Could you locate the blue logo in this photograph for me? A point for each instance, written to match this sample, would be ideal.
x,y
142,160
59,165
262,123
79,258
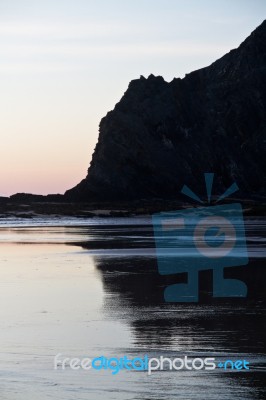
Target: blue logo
x,y
198,239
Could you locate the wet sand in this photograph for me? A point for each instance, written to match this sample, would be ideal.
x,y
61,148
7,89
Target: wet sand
x,y
88,289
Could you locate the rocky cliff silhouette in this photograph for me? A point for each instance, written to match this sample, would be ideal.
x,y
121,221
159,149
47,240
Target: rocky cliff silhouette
x,y
162,135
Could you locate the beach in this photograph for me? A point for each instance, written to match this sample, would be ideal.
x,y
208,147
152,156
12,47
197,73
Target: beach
x,y
88,287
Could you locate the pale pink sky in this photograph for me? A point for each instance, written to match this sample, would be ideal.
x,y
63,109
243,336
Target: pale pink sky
x,y
65,63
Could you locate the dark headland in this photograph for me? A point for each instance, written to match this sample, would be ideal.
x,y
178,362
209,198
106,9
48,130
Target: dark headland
x,y
162,135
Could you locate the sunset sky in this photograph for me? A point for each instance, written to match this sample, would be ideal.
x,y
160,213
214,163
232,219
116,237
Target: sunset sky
x,y
65,63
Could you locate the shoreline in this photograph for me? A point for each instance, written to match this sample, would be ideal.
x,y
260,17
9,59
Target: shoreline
x,y
35,209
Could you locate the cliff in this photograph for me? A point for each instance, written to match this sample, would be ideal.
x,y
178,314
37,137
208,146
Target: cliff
x,y
161,135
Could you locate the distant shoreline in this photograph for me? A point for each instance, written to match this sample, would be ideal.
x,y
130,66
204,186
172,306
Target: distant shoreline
x,y
29,209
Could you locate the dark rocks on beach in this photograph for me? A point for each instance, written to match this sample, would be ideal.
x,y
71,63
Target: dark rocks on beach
x,y
29,198
162,135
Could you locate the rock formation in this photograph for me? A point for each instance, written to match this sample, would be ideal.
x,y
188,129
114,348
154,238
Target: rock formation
x,y
162,135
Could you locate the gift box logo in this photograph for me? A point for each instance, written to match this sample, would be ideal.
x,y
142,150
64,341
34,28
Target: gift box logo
x,y
202,238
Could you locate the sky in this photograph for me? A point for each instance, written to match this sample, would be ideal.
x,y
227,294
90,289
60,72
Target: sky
x,y
65,63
